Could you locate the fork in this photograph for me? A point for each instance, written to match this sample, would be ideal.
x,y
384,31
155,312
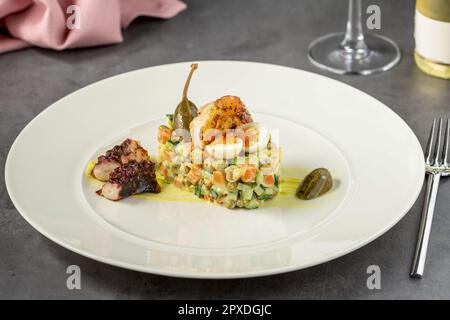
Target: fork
x,y
436,166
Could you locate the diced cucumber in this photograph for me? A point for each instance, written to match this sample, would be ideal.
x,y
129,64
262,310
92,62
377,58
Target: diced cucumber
x,y
218,190
213,194
232,196
247,194
275,190
259,190
198,190
259,178
265,197
252,204
269,191
242,186
204,189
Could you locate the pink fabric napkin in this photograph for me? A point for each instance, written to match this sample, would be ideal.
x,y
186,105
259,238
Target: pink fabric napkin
x,y
44,23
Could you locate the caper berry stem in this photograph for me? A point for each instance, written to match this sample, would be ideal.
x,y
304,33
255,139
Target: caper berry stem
x,y
188,80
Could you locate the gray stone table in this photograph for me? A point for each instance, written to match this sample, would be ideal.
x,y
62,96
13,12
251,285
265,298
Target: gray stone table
x,y
268,31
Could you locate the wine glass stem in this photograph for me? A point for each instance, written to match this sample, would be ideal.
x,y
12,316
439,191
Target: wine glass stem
x,y
353,45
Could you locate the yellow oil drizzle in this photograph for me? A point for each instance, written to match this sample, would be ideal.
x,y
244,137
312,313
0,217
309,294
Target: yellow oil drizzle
x,y
89,167
169,193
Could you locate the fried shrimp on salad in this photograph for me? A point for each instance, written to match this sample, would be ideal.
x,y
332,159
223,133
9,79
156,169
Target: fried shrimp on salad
x,y
228,112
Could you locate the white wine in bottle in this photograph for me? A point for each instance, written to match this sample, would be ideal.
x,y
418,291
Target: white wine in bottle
x,y
432,34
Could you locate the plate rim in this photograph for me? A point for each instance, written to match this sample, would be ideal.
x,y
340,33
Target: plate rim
x,y
196,275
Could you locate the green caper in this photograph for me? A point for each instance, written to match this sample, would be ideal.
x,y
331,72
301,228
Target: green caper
x,y
186,110
315,184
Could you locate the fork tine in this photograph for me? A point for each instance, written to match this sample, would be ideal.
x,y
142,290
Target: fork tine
x,y
446,142
437,151
430,144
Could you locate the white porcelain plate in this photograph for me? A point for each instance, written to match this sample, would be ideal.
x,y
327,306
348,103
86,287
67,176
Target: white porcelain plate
x,y
374,157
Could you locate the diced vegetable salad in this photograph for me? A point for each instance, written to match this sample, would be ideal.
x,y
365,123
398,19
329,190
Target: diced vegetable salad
x,y
243,182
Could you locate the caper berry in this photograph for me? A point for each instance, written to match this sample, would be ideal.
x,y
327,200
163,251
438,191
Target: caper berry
x,y
186,110
315,184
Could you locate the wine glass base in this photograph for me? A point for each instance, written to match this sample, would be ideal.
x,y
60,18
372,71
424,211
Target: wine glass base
x,y
327,53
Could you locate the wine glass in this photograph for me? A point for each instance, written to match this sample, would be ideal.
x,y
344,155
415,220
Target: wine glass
x,y
353,52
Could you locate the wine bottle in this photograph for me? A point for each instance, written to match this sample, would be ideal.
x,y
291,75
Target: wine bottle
x,y
432,35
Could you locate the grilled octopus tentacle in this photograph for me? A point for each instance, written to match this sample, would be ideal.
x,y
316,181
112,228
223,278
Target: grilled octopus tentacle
x,y
127,151
129,179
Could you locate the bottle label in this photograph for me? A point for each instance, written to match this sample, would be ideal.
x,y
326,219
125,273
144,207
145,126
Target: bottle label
x,y
432,38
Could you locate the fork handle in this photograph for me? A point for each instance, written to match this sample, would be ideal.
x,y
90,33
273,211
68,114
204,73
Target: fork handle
x,y
423,237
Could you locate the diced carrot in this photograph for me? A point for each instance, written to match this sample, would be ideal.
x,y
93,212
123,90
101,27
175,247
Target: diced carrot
x,y
218,177
197,170
249,174
164,171
268,180
178,182
164,134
